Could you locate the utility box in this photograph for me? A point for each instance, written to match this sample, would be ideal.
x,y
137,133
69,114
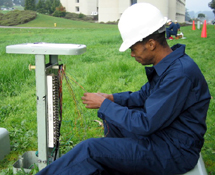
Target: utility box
x,y
4,143
49,102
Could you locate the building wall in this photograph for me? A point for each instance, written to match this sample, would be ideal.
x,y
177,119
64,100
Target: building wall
x,y
111,10
173,9
180,10
177,10
65,4
123,4
69,5
108,10
86,7
162,5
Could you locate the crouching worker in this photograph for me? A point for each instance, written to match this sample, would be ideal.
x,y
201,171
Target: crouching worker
x,y
171,30
158,130
177,25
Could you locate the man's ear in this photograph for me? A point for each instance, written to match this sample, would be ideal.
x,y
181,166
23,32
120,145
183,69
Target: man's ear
x,y
152,44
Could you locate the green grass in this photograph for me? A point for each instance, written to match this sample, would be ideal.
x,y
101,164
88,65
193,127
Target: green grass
x,y
48,21
101,69
4,11
18,7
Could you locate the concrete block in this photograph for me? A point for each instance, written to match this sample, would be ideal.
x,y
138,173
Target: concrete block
x,y
199,168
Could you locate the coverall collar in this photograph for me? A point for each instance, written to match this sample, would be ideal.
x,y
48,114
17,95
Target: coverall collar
x,y
178,51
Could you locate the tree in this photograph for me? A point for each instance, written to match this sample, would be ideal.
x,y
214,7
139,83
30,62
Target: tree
x,y
60,11
201,15
30,5
48,5
55,3
8,3
41,7
212,5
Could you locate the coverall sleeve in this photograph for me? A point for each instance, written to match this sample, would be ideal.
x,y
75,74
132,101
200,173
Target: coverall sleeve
x,y
171,26
160,109
132,99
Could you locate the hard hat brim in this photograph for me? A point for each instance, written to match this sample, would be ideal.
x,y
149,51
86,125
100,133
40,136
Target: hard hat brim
x,y
126,45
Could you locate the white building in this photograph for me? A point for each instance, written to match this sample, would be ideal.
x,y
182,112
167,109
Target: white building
x,y
87,7
111,10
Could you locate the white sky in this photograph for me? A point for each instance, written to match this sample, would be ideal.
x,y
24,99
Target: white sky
x,y
198,5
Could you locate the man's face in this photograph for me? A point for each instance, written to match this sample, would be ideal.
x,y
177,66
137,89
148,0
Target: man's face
x,y
142,53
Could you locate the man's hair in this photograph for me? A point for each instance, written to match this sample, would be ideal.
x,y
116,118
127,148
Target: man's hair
x,y
159,37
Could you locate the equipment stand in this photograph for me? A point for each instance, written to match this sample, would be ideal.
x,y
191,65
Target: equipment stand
x,y
44,118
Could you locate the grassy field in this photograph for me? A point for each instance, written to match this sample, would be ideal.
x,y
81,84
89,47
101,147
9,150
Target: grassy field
x,y
4,12
48,21
101,69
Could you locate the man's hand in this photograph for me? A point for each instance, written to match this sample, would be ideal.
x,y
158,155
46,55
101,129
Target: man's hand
x,y
93,100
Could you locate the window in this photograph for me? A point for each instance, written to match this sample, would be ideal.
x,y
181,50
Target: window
x,y
77,9
133,2
77,1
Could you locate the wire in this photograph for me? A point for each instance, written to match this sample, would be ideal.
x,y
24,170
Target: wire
x,y
82,122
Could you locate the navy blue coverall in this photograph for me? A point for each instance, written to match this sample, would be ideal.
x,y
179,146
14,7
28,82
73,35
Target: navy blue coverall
x,y
172,30
178,26
157,130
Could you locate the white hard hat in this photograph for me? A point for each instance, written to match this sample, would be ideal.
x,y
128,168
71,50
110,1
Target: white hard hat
x,y
139,21
169,20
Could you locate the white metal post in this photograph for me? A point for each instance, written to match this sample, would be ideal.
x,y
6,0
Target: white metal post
x,y
41,110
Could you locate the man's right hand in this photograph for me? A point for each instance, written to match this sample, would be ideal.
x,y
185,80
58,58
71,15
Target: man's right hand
x,y
108,96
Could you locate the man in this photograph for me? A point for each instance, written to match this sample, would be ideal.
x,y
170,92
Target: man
x,y
177,25
157,130
172,30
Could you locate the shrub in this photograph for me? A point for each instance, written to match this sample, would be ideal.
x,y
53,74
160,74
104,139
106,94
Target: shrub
x,y
58,13
17,17
71,15
1,15
111,22
80,16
